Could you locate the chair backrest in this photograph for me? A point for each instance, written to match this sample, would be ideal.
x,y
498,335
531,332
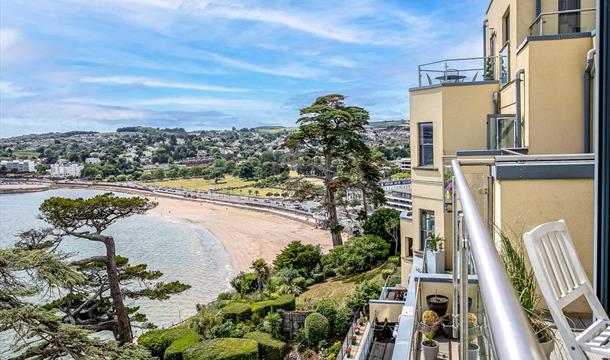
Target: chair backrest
x,y
560,274
429,80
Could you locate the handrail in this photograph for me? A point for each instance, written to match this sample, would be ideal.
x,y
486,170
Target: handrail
x,y
559,12
459,59
511,332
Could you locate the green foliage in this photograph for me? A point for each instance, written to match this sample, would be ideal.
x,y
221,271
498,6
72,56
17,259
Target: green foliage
x,y
302,258
522,277
401,175
359,298
333,350
245,283
377,223
223,349
176,350
157,341
284,302
329,309
394,260
237,311
358,254
316,328
272,324
205,321
268,347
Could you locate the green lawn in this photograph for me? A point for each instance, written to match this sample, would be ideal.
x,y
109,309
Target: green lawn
x,y
262,192
202,184
338,288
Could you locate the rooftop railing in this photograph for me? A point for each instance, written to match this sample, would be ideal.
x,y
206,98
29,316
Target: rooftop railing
x,y
456,71
563,22
503,331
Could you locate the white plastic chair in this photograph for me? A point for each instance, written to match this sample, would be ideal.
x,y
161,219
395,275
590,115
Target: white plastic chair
x,y
562,280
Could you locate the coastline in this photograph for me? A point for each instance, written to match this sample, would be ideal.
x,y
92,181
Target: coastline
x,y
247,234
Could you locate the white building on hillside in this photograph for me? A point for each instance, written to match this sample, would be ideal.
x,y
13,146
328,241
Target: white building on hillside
x,y
20,166
93,160
63,170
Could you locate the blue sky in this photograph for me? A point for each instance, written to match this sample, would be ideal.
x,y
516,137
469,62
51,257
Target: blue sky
x,y
98,65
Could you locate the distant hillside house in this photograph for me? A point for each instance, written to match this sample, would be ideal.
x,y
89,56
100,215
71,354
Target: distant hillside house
x,y
17,166
63,170
93,160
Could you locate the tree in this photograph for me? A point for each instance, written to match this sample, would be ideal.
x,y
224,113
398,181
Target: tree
x,y
299,257
87,219
33,267
385,223
363,173
262,271
332,131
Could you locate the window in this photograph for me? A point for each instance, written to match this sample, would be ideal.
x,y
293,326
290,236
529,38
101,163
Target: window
x,y
426,227
569,22
426,145
506,27
501,132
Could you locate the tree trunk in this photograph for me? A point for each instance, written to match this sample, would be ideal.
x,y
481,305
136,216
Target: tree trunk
x,y
331,206
123,324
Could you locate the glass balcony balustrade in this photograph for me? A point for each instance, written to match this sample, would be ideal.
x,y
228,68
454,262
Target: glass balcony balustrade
x,y
564,22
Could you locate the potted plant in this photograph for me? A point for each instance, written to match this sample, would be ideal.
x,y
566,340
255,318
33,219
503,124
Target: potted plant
x,y
435,255
357,330
354,338
524,283
429,346
473,348
438,303
348,351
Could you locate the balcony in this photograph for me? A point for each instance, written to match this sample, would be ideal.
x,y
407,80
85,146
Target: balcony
x,y
564,22
458,71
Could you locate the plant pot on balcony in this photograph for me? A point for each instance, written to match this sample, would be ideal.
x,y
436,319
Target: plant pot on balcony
x,y
473,351
435,261
429,349
438,303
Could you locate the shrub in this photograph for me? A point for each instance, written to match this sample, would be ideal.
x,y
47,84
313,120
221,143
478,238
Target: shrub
x,y
386,273
302,258
316,328
237,311
223,349
176,349
359,298
158,340
300,282
284,302
244,283
268,347
343,321
358,254
328,308
333,350
318,277
377,223
272,324
394,260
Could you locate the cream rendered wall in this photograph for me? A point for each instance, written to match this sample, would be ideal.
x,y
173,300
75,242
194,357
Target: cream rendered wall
x,y
553,106
521,205
382,311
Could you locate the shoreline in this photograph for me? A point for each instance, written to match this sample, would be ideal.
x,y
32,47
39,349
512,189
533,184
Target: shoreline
x,y
246,233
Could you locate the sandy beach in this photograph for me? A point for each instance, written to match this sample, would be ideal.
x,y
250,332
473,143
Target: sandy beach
x,y
246,234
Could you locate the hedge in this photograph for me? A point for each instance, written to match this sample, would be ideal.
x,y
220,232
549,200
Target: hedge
x,y
316,328
223,349
237,311
268,347
176,350
158,340
284,302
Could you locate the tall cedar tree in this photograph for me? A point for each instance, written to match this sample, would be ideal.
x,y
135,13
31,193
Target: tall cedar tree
x,y
88,219
334,132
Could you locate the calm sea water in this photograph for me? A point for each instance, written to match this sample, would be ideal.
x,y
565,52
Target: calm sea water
x,y
181,250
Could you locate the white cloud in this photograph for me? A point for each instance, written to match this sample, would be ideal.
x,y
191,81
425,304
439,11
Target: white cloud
x,y
292,70
208,103
341,62
156,83
8,38
10,90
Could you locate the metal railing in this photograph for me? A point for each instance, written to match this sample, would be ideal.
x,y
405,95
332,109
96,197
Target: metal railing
x,y
463,70
506,328
563,22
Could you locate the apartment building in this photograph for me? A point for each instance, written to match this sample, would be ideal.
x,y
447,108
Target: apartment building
x,y
62,169
18,166
499,145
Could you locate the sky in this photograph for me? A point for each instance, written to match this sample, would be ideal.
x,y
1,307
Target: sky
x,y
204,64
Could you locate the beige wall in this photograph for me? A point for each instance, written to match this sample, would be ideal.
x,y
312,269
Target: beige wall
x,y
385,310
521,205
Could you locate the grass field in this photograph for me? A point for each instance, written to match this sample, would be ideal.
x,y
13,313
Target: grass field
x,y
262,192
338,288
313,180
202,184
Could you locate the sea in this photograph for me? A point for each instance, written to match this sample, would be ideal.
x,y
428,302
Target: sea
x,y
181,250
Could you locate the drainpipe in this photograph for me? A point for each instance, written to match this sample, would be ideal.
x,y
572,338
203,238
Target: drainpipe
x,y
518,74
494,100
484,43
587,101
